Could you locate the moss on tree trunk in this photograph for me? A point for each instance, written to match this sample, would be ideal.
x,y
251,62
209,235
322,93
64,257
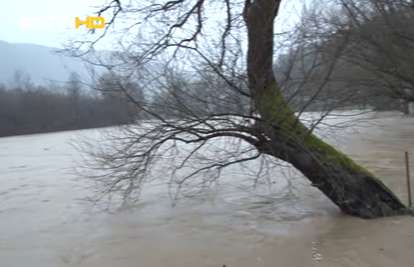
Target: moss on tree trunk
x,y
354,189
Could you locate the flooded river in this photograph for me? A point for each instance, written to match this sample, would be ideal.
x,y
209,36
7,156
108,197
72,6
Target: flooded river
x,y
47,221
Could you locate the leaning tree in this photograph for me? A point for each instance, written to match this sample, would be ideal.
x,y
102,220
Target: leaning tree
x,y
222,46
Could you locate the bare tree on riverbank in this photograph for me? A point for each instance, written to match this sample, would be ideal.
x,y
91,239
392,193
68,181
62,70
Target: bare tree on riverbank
x,y
377,47
27,108
187,31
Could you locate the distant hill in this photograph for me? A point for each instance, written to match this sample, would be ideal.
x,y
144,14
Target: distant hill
x,y
43,64
40,62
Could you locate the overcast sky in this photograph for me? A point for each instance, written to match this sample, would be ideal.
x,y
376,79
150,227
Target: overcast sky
x,y
12,27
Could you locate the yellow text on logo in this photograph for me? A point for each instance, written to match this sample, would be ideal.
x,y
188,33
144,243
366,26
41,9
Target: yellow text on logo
x,y
91,22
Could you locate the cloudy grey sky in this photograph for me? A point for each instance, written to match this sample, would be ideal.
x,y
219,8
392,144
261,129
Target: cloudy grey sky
x,y
12,28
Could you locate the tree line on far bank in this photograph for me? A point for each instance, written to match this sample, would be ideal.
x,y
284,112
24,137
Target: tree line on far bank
x,y
26,108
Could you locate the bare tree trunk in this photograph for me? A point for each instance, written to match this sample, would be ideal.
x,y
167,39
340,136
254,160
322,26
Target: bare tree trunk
x,y
351,187
405,106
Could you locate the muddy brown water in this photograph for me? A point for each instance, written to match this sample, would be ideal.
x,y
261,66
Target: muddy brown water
x,y
45,220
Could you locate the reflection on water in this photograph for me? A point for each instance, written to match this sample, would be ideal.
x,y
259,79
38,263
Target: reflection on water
x,y
46,221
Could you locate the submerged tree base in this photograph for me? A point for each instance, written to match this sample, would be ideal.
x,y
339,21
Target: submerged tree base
x,y
352,188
